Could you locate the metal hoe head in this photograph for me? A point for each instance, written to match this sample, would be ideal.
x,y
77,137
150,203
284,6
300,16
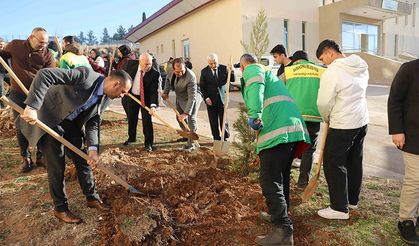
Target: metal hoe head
x,y
135,191
188,135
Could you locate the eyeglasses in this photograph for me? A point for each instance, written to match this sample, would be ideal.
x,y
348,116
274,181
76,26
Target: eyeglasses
x,y
43,43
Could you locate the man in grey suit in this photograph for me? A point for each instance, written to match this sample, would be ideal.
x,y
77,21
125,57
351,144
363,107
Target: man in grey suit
x,y
188,97
69,101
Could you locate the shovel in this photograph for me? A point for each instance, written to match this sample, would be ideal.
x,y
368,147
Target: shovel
x,y
75,149
314,181
220,147
188,135
60,49
182,121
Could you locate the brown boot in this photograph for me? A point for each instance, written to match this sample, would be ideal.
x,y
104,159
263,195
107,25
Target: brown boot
x,y
68,217
98,204
26,165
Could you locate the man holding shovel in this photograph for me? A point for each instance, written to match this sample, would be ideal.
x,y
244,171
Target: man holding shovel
x,y
145,88
213,86
282,135
69,101
27,57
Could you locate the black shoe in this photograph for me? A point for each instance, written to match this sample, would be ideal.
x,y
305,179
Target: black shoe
x,y
278,236
149,148
26,165
129,142
181,140
407,232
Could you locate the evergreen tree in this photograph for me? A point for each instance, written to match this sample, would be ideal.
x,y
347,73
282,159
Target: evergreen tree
x,y
246,160
105,36
259,37
82,38
91,39
144,16
120,33
130,28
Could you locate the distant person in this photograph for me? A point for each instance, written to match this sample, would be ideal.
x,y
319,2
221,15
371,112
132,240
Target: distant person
x,y
342,104
68,40
276,118
302,80
96,61
124,54
280,56
213,87
188,63
76,119
188,97
403,122
144,88
73,57
3,73
53,48
27,58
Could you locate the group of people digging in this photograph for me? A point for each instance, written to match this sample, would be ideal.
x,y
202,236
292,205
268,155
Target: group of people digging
x,y
286,112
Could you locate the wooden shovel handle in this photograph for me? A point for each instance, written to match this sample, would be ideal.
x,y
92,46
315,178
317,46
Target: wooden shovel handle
x,y
320,161
57,41
226,100
148,109
177,114
111,61
15,78
66,143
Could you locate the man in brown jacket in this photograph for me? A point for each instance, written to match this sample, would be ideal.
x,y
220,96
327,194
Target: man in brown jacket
x,y
27,58
403,123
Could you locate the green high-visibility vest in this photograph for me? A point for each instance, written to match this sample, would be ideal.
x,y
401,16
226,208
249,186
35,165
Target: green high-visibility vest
x,y
267,98
303,82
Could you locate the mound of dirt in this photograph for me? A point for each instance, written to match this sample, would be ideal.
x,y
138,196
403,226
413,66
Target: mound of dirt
x,y
196,203
7,123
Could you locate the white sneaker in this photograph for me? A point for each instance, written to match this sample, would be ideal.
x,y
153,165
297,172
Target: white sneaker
x,y
296,162
352,207
329,213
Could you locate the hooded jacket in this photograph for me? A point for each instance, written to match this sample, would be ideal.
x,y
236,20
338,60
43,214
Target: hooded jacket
x,y
342,94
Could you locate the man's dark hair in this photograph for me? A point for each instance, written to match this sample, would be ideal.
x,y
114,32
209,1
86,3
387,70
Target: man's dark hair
x,y
325,44
248,58
70,39
279,49
122,76
178,61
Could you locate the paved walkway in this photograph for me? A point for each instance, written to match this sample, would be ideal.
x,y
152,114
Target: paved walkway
x,y
381,158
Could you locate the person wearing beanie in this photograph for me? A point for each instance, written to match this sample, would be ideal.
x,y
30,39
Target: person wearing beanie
x,y
302,80
124,54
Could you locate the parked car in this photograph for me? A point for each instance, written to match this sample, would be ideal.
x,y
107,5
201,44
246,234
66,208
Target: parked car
x,y
267,61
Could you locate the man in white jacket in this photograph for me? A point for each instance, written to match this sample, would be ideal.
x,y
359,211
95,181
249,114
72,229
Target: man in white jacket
x,y
342,104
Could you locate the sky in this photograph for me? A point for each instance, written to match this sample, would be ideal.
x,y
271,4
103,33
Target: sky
x,y
62,18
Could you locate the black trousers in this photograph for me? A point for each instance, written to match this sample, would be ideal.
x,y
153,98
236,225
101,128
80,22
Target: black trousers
x,y
132,108
307,158
275,167
342,161
19,98
54,153
215,115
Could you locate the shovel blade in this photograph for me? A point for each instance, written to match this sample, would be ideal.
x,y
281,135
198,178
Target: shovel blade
x,y
220,148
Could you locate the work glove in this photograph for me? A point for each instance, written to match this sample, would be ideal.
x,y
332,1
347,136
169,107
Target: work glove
x,y
255,124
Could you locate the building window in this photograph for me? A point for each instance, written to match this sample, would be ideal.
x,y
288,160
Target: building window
x,y
413,14
157,50
161,48
406,20
173,48
303,35
286,34
397,19
351,37
186,48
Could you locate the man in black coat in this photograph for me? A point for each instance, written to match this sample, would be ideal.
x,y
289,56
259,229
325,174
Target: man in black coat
x,y
403,122
146,77
68,101
213,87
